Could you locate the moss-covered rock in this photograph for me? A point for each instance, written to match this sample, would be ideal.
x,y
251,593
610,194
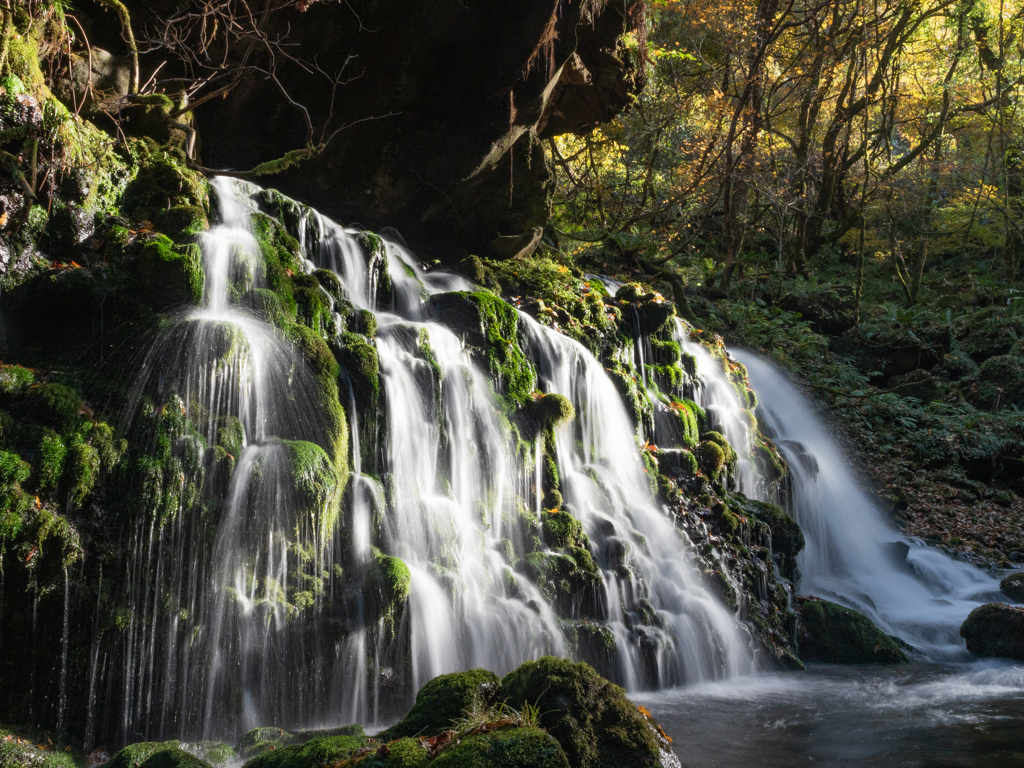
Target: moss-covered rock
x,y
14,379
258,740
786,536
170,275
711,458
361,365
135,755
314,753
490,326
560,530
549,411
1013,586
444,699
834,634
28,754
596,725
568,577
55,405
174,757
995,630
400,753
386,587
508,748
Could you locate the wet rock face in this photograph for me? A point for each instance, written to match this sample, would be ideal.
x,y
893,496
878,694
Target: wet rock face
x,y
456,99
995,630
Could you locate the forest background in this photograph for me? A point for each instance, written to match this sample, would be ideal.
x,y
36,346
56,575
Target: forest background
x,y
839,184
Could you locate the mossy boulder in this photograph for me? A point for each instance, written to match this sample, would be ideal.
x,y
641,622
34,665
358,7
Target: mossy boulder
x,y
549,411
596,725
55,405
258,740
711,458
401,753
560,530
444,699
1013,586
135,755
507,748
995,630
490,327
170,275
833,634
315,753
174,757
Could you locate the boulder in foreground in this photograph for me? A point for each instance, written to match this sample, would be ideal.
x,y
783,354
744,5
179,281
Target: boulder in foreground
x,y
995,630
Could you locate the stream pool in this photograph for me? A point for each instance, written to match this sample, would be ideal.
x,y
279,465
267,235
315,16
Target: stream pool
x,y
920,714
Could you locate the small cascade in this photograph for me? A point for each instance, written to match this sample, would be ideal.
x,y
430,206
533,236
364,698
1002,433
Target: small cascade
x,y
643,558
717,394
852,555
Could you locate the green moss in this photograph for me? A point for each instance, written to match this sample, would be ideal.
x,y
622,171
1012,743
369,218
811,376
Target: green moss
x,y
711,458
259,740
315,753
550,410
566,578
560,529
14,379
28,755
334,426
834,634
386,587
315,483
135,755
182,222
787,538
216,753
508,748
273,308
444,699
491,329
174,758
50,462
231,436
596,725
84,468
312,305
360,362
170,275
402,753
55,406
719,439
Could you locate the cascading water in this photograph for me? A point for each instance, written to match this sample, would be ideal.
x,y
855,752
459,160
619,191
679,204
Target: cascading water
x,y
852,555
259,593
717,395
643,560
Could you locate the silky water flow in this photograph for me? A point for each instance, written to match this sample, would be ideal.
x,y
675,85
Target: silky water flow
x,y
247,606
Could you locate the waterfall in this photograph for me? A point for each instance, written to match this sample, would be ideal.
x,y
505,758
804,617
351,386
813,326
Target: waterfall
x,y
641,553
853,556
250,593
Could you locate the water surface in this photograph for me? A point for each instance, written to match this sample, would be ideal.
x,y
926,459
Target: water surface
x,y
914,715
